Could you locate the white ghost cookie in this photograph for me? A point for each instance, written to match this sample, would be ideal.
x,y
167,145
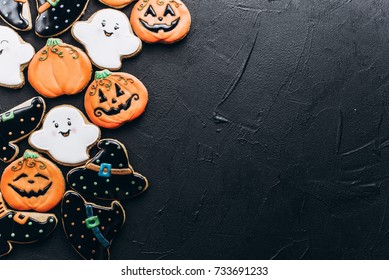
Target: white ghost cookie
x,y
15,54
107,37
66,136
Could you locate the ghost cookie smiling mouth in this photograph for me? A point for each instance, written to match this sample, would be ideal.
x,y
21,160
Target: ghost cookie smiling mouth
x,y
65,134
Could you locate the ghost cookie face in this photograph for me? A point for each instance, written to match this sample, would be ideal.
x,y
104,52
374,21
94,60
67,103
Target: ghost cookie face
x,y
57,16
113,99
15,54
107,37
32,183
59,69
16,14
108,175
22,227
17,123
90,228
160,21
66,136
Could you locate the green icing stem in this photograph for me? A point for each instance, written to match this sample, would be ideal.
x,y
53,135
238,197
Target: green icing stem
x,y
102,74
53,42
28,154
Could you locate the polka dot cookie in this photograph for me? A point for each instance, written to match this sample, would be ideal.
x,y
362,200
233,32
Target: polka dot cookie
x,y
90,228
17,124
108,175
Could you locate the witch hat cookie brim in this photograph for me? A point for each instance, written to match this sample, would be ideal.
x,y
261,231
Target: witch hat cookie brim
x,y
22,227
90,228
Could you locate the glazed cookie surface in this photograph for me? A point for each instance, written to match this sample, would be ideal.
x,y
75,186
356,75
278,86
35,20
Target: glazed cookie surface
x,y
113,99
117,4
66,136
57,16
108,175
108,38
22,227
15,54
90,228
17,124
160,21
59,69
16,14
32,183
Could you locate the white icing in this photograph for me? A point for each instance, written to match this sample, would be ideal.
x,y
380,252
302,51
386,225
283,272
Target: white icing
x,y
73,147
106,51
13,54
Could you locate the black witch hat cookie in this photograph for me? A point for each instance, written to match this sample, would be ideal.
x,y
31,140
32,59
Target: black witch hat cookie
x,y
108,175
17,124
16,13
57,16
91,228
22,227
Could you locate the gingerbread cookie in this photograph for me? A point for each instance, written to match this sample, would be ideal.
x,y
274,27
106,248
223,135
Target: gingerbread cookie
x,y
107,37
160,21
17,124
108,175
15,54
113,99
32,183
66,136
117,4
59,69
16,13
91,228
57,16
22,227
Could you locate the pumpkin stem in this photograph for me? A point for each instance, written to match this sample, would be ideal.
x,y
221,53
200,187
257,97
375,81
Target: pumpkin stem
x,y
53,42
30,154
102,74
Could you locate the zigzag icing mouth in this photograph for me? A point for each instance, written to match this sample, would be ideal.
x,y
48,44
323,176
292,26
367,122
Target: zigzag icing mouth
x,y
162,26
31,193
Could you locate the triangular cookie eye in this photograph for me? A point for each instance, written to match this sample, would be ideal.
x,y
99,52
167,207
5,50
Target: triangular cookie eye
x,y
119,91
169,10
102,97
150,11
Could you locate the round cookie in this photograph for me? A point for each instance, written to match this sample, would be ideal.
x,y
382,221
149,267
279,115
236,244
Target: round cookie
x,y
15,54
32,183
90,228
160,21
108,175
113,99
66,136
59,69
108,38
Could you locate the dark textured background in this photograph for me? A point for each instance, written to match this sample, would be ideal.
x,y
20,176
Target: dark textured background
x,y
266,135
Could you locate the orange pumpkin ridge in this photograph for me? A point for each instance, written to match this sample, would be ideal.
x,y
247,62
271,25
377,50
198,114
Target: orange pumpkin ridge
x,y
59,69
113,99
160,21
32,183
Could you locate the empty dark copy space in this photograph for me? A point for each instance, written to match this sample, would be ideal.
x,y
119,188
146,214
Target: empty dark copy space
x,y
266,135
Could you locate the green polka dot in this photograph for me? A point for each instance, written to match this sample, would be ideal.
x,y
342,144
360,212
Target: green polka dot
x,y
118,148
84,187
112,155
12,234
106,192
98,161
117,189
95,194
10,216
107,180
51,220
120,165
81,177
40,231
74,184
27,236
30,223
140,188
95,183
127,193
133,182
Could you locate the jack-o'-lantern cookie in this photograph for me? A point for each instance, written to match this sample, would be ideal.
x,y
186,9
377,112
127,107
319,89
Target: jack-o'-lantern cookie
x,y
160,21
113,99
108,175
66,136
16,14
32,183
15,54
117,4
17,124
22,227
108,38
59,69
90,228
57,16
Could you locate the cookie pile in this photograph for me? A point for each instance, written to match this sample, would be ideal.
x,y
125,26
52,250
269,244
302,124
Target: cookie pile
x,y
32,185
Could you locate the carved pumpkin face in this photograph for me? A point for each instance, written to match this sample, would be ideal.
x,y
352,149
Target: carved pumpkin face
x,y
32,183
165,21
115,98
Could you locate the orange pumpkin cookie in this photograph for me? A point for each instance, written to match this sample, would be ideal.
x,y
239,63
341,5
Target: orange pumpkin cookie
x,y
160,21
117,4
113,99
59,69
32,183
